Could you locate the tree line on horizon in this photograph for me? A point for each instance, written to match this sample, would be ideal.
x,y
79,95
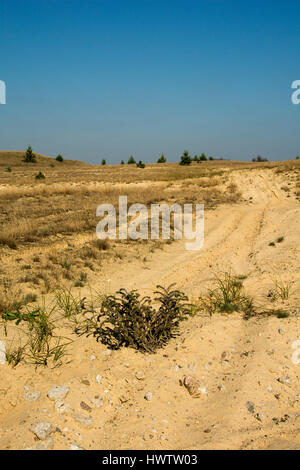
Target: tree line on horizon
x,y
185,159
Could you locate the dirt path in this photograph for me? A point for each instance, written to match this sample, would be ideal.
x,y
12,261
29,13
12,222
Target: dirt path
x,y
239,362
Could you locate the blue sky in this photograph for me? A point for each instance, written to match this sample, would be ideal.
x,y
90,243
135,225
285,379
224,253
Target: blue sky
x,y
100,79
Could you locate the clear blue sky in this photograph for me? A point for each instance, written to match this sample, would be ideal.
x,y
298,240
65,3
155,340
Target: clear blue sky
x,y
96,79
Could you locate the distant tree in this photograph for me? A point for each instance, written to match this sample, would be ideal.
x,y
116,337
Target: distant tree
x,y
40,176
185,158
211,158
131,160
122,162
259,159
196,158
59,158
29,156
203,157
103,162
297,158
162,159
140,164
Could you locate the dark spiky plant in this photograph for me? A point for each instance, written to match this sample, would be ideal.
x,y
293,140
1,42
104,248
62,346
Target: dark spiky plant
x,y
126,319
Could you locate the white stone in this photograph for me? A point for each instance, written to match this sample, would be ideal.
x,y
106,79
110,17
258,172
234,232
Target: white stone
x,y
32,396
61,407
148,396
2,353
75,447
59,392
86,421
42,430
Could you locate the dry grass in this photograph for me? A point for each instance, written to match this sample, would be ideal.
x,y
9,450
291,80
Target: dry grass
x,y
56,220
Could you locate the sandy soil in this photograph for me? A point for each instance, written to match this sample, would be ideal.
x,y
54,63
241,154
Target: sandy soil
x,y
237,361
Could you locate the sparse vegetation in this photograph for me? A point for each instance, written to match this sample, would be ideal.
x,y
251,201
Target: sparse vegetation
x,y
281,290
40,176
228,296
59,158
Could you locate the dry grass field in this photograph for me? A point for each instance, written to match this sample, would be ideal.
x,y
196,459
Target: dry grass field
x,y
55,273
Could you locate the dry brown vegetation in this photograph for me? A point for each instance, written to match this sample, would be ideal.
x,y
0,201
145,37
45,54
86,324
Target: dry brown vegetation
x,y
47,234
48,229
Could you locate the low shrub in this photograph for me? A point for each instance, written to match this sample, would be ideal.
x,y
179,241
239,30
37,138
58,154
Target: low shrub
x,y
128,320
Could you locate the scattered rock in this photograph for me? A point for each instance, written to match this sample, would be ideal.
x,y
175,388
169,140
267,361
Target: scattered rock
x,y
108,352
59,392
61,407
193,386
284,380
86,382
32,396
75,447
86,421
42,430
2,353
98,378
97,402
123,399
140,375
47,444
85,406
148,396
250,406
281,331
259,417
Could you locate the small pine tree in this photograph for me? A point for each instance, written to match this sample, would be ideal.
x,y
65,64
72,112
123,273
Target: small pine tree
x,y
103,162
203,157
196,158
131,160
185,158
122,162
29,156
162,159
211,158
59,158
140,164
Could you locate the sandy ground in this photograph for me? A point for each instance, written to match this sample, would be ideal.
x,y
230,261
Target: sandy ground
x,y
238,362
